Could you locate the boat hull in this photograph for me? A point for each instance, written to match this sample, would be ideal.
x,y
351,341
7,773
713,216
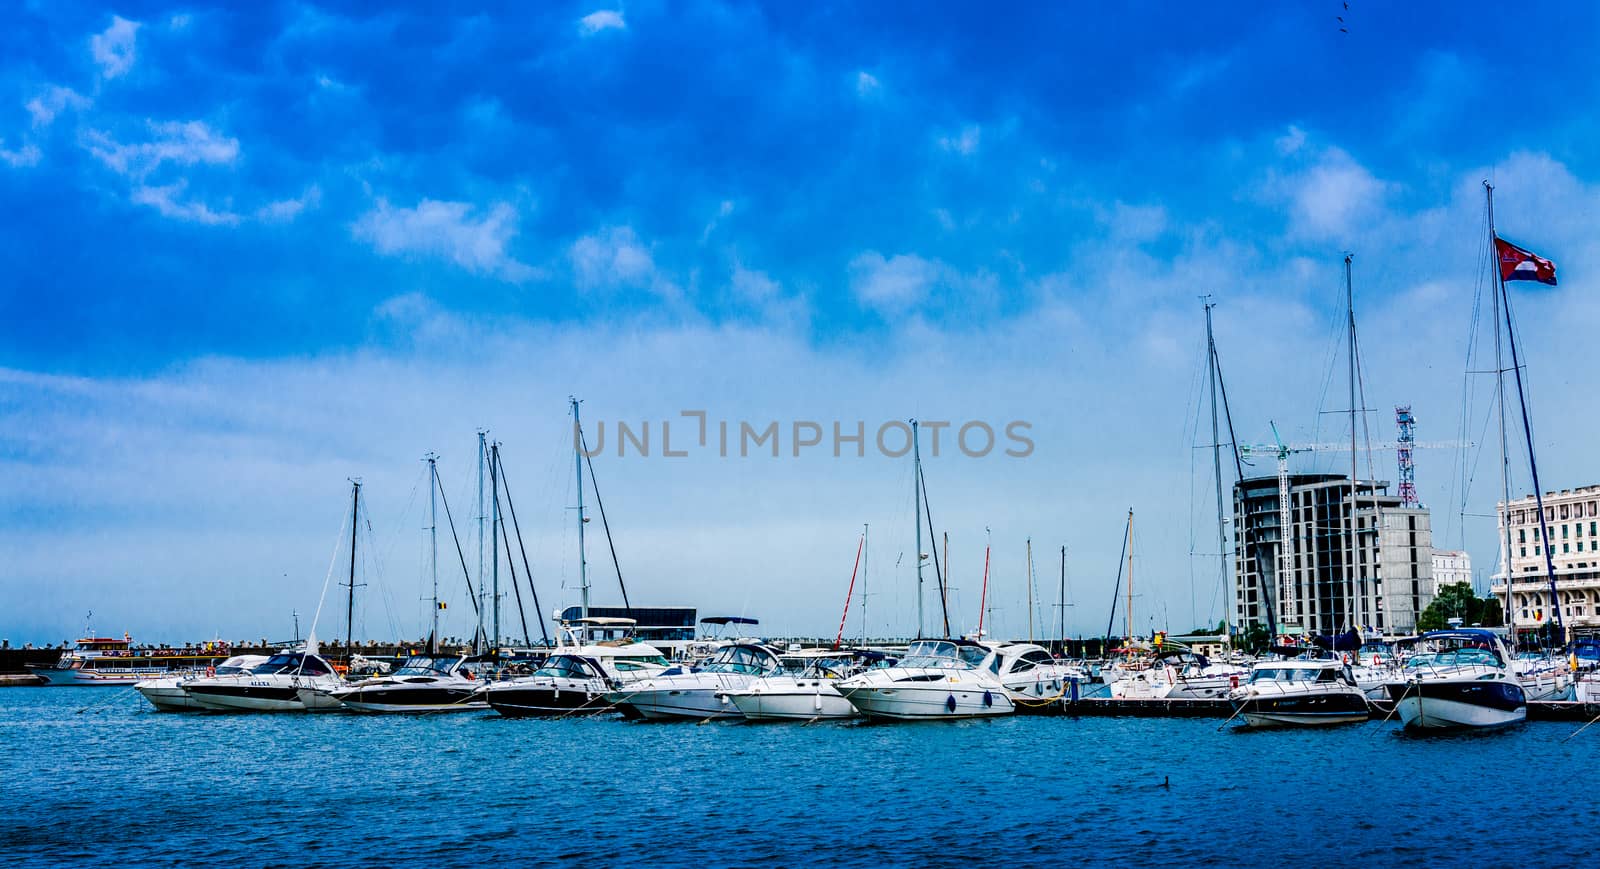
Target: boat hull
x,y
82,678
795,704
1458,705
541,701
927,701
167,695
1306,711
399,700
680,704
244,697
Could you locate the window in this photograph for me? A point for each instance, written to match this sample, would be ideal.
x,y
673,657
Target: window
x,y
1563,511
1564,531
1566,548
1522,535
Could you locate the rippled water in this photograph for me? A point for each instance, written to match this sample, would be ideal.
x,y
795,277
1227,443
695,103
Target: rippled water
x,y
121,784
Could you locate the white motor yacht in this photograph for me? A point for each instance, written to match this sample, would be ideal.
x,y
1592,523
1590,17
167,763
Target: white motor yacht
x,y
1462,680
808,695
274,686
701,693
427,682
937,679
1543,677
1300,692
1031,675
167,695
1192,676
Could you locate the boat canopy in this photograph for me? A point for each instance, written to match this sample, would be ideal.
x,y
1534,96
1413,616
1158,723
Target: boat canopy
x,y
729,620
1349,641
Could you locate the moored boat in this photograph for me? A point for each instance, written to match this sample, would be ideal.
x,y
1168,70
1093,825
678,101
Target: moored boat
x,y
1464,682
167,695
1300,692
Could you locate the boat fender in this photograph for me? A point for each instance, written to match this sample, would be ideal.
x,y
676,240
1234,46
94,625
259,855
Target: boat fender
x,y
950,703
988,699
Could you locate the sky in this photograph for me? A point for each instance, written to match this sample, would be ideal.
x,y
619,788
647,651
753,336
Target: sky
x,y
253,251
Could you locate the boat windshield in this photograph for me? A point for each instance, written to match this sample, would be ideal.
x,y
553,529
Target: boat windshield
x,y
293,664
425,665
943,653
566,667
740,659
1284,674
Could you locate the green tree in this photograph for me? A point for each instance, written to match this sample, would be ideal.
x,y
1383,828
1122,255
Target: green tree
x,y
1457,601
1255,639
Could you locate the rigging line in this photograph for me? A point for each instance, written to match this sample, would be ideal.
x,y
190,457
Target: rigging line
x,y
594,483
511,565
472,595
338,547
944,604
538,610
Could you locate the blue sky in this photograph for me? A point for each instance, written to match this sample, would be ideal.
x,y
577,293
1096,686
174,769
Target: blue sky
x,y
253,250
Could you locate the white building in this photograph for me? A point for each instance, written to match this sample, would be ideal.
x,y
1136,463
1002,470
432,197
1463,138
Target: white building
x,y
1450,567
1573,517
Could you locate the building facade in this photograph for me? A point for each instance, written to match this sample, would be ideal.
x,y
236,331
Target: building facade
x,y
1312,577
1450,567
1573,517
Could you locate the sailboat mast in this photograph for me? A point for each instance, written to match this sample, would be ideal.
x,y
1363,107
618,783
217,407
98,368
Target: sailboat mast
x,y
1557,631
583,558
494,538
1128,615
350,598
916,507
1350,310
433,544
1030,589
1063,603
483,458
1495,288
1216,468
865,554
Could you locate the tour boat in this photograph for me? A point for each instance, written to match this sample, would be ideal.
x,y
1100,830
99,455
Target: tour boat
x,y
701,693
274,686
1300,692
109,661
937,679
1464,681
167,695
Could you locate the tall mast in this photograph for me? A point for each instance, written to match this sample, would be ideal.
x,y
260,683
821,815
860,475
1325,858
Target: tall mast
x,y
1216,466
483,587
350,599
1350,309
1496,287
583,559
1030,589
1128,615
1063,603
433,544
494,538
866,551
916,507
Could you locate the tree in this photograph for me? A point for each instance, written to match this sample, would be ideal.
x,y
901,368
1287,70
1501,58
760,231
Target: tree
x,y
1255,639
1458,602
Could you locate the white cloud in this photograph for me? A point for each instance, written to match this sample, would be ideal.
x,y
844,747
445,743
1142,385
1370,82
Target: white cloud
x,y
51,102
168,201
114,48
867,84
1291,141
20,158
965,142
603,19
613,258
180,21
457,231
895,284
1331,197
185,143
286,210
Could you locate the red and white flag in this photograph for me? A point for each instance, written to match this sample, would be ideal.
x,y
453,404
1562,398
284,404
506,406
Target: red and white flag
x,y
1517,264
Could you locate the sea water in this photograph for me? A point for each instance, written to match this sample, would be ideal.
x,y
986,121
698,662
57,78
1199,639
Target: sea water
x,y
97,776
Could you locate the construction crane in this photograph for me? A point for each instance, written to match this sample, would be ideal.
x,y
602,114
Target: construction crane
x,y
1285,539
